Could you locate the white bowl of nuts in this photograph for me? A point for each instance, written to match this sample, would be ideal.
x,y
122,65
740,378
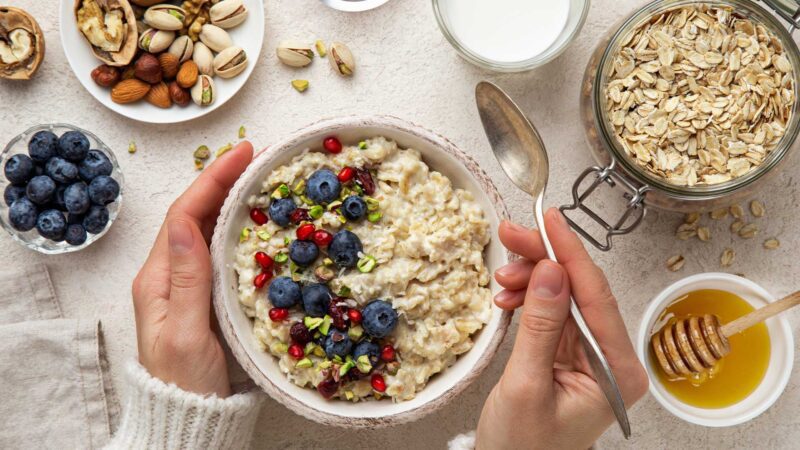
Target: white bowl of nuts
x,y
162,63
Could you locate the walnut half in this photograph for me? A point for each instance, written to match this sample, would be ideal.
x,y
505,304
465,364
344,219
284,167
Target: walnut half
x,y
21,44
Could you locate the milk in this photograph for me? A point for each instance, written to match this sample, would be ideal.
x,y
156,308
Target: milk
x,y
506,31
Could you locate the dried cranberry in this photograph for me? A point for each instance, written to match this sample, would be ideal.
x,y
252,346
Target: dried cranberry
x,y
364,179
378,383
305,231
278,314
296,351
322,238
332,144
328,387
258,216
346,174
299,215
338,313
300,333
355,316
264,261
387,353
261,279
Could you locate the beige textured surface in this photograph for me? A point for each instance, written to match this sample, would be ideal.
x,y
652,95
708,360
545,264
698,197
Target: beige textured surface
x,y
407,69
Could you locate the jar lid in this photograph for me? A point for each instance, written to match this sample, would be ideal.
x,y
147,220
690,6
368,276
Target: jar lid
x,y
787,9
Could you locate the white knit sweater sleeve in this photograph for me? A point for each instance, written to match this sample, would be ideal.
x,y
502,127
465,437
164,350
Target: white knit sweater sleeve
x,y
157,415
464,441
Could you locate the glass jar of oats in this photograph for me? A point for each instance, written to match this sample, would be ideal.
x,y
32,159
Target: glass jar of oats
x,y
689,106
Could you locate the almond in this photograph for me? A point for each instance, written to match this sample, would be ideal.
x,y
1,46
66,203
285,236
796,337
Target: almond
x,y
169,65
187,75
159,95
129,91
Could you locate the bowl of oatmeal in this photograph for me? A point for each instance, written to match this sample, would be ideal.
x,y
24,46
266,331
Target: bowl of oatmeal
x,y
352,271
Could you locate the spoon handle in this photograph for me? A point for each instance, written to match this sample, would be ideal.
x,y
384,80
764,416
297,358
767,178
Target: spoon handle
x,y
597,360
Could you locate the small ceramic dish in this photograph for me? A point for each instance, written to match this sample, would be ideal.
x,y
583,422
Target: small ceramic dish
x,y
32,239
354,5
237,328
249,35
780,362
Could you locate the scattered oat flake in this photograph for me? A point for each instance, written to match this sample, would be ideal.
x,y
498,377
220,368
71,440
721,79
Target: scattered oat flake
x,y
727,257
720,213
772,244
736,226
737,211
757,209
748,231
676,263
704,234
692,217
132,147
686,231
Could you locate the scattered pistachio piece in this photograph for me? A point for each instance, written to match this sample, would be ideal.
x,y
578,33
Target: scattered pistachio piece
x,y
132,147
362,145
346,368
281,191
304,363
727,257
355,332
316,211
299,188
202,152
199,164
375,216
676,263
772,244
319,351
312,322
334,205
366,264
363,364
324,364
281,258
306,200
326,325
242,132
321,50
224,149
372,204
244,235
309,348
263,235
300,85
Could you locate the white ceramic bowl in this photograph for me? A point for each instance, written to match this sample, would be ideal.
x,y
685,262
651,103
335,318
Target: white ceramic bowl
x,y
780,362
439,154
249,35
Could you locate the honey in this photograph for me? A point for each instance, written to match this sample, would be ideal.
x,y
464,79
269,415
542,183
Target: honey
x,y
738,374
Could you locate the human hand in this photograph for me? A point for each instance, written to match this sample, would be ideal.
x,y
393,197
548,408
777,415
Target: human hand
x,y
547,396
172,293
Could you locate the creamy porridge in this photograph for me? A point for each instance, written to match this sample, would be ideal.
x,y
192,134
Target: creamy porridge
x,y
363,270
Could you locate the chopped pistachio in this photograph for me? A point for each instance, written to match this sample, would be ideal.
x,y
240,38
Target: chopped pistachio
x,y
279,347
348,358
317,335
224,149
281,191
309,348
326,325
263,235
312,322
346,368
355,332
366,264
375,216
306,200
341,218
349,395
244,235
334,205
363,364
362,145
345,193
324,273
321,50
324,364
198,164
241,132
358,189
287,240
327,262
299,188
304,363
281,258
300,85
392,367
372,204
337,359
316,211
132,147
319,351
344,291
202,152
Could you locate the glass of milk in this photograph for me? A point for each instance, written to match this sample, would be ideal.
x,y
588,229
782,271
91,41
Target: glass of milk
x,y
510,35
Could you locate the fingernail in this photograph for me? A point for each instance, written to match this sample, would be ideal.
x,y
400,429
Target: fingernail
x,y
513,226
508,269
503,296
548,280
181,238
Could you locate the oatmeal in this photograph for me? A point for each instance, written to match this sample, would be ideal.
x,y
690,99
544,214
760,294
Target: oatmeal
x,y
363,270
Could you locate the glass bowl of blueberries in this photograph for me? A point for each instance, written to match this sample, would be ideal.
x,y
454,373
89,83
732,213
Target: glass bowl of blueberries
x,y
62,188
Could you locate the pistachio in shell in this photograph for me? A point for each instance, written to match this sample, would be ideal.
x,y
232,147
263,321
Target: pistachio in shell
x,y
228,13
21,44
215,38
165,17
295,53
182,48
203,58
230,62
341,59
109,26
156,41
204,92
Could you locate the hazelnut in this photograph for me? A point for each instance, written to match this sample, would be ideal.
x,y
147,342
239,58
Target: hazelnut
x,y
105,75
128,72
179,95
148,69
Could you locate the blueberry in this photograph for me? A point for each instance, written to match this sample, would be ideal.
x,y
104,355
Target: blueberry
x,y
354,207
379,318
284,292
337,343
22,214
76,234
280,211
344,249
95,164
323,186
43,146
370,349
315,299
58,199
73,219
96,219
303,253
13,193
38,169
40,189
76,198
103,190
73,146
61,170
19,169
52,224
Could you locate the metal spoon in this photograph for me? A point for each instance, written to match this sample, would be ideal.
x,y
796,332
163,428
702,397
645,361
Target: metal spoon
x,y
521,153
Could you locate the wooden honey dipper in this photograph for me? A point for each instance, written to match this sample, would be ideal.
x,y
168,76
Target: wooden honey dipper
x,y
692,346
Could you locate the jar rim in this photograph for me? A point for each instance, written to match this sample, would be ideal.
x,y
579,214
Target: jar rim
x,y
747,8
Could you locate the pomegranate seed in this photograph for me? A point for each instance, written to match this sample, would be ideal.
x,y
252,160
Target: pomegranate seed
x,y
322,238
305,231
299,215
332,144
261,279
300,333
296,351
328,387
258,216
355,316
387,353
346,174
378,383
278,314
264,261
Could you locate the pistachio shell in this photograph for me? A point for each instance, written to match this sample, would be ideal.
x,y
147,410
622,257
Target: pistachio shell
x,y
341,59
215,38
182,48
165,17
204,92
295,54
228,13
230,62
156,41
204,59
